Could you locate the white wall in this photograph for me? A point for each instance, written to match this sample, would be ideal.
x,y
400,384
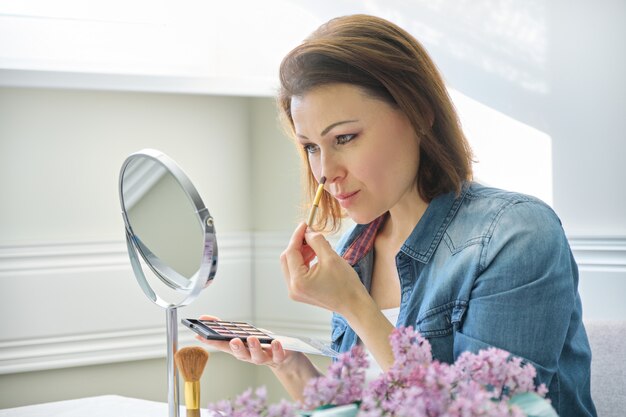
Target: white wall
x,y
554,71
63,265
551,69
68,296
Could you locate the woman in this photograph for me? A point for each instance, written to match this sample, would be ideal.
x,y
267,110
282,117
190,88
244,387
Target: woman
x,y
468,266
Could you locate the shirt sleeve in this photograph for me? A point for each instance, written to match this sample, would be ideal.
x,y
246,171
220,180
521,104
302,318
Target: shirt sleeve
x,y
525,293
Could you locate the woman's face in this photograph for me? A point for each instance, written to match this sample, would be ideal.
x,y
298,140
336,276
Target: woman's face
x,y
366,149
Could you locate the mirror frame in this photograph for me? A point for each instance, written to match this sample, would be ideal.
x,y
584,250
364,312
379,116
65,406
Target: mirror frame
x,y
191,286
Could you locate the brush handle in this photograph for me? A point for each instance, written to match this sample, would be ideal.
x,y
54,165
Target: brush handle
x,y
192,398
316,202
192,395
193,412
309,221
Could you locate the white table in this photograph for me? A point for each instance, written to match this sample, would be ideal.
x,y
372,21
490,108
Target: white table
x,y
103,406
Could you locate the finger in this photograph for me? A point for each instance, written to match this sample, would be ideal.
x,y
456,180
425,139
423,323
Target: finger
x,y
293,250
297,238
278,353
308,254
257,353
285,268
217,344
238,350
319,244
294,260
207,317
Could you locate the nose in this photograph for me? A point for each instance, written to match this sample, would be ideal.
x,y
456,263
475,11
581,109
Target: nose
x,y
331,167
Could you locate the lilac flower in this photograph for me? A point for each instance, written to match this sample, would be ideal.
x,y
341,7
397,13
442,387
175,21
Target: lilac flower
x,y
409,346
342,384
249,404
417,386
253,405
476,385
283,409
502,373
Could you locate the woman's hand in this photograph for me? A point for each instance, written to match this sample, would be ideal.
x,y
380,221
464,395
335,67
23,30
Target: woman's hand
x,y
293,369
333,284
330,283
251,351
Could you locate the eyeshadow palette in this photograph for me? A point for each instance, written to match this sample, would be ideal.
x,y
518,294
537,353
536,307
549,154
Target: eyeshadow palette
x,y
226,330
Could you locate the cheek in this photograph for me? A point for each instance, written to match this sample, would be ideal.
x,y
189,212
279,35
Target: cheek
x,y
372,169
379,161
391,165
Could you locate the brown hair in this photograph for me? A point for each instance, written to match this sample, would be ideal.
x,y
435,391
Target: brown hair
x,y
389,64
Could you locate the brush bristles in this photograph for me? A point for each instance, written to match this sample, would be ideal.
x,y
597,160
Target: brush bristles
x,y
191,362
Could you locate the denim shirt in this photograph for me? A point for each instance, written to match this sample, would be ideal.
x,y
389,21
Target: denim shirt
x,y
491,268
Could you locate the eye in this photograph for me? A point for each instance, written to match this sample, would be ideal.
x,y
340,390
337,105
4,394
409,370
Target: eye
x,y
343,139
310,148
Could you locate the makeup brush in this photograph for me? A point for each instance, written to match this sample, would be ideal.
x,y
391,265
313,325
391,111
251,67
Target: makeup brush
x,y
190,362
316,201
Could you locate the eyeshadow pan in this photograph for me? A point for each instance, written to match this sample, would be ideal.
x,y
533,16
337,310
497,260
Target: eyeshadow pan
x,y
227,330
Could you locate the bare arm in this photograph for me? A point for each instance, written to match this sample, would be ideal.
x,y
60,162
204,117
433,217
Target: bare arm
x,y
296,375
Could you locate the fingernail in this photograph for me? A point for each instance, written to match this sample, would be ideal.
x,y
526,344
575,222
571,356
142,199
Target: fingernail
x,y
234,346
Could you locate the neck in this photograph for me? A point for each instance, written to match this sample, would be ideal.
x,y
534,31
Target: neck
x,y
403,217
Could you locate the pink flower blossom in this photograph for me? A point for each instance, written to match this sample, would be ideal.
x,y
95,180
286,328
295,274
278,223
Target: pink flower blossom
x,y
503,374
476,385
342,384
249,404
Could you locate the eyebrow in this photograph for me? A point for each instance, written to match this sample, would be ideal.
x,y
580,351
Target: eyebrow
x,y
331,126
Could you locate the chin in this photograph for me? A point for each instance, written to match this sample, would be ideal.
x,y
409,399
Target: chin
x,y
363,218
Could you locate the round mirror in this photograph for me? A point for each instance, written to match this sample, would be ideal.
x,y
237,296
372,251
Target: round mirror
x,y
168,226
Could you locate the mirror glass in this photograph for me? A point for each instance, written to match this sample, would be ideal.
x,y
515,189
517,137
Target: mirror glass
x,y
167,223
162,217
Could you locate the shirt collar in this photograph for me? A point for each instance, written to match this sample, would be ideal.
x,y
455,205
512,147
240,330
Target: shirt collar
x,y
429,231
363,242
424,238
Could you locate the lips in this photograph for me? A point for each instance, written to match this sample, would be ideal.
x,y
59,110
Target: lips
x,y
346,198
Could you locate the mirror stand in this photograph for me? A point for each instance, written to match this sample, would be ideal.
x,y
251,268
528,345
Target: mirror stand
x,y
160,205
171,323
171,328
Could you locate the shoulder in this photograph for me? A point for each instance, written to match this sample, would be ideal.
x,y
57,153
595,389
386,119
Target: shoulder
x,y
488,207
515,223
510,210
494,217
493,200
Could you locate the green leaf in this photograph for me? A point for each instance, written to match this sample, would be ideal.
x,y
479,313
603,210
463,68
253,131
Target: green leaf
x,y
533,405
